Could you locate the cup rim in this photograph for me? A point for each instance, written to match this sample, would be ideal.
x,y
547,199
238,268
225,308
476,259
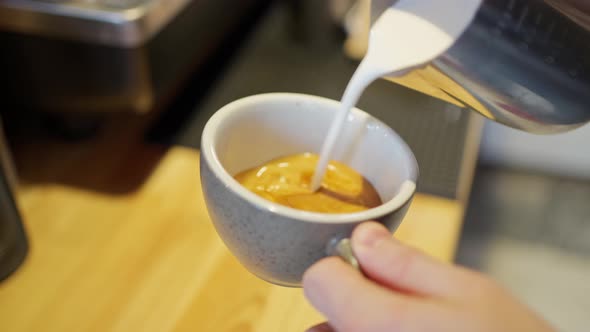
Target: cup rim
x,y
405,193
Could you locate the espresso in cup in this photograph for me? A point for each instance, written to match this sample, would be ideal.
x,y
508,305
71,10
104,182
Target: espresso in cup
x,y
286,181
275,242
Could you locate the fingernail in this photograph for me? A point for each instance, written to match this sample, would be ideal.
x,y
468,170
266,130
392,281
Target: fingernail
x,y
369,234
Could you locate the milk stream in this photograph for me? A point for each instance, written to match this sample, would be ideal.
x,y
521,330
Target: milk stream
x,y
358,83
407,35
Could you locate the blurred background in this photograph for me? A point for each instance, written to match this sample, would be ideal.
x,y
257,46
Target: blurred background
x,y
65,92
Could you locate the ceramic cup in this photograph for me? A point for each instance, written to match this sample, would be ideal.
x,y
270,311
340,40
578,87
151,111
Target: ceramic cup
x,y
275,242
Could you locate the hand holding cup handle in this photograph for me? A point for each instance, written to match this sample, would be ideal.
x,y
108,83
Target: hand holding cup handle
x,y
402,289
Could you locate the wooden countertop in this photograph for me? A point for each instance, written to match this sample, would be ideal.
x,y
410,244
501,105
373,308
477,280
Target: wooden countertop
x,y
121,241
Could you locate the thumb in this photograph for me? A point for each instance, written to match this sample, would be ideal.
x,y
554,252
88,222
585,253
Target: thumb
x,y
394,265
351,302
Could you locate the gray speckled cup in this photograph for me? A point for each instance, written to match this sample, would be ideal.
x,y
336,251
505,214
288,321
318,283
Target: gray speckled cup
x,y
275,242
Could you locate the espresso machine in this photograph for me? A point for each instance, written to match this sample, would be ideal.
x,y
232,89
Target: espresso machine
x,y
87,58
80,57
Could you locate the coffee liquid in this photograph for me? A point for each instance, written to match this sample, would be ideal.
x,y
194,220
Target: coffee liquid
x,y
287,181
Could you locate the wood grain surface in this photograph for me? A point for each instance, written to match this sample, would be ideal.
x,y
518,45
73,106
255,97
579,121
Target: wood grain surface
x,y
121,241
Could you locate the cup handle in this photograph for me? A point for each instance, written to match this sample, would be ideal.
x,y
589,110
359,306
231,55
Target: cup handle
x,y
343,249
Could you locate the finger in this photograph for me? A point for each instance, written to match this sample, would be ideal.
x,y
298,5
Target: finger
x,y
397,266
323,327
353,303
